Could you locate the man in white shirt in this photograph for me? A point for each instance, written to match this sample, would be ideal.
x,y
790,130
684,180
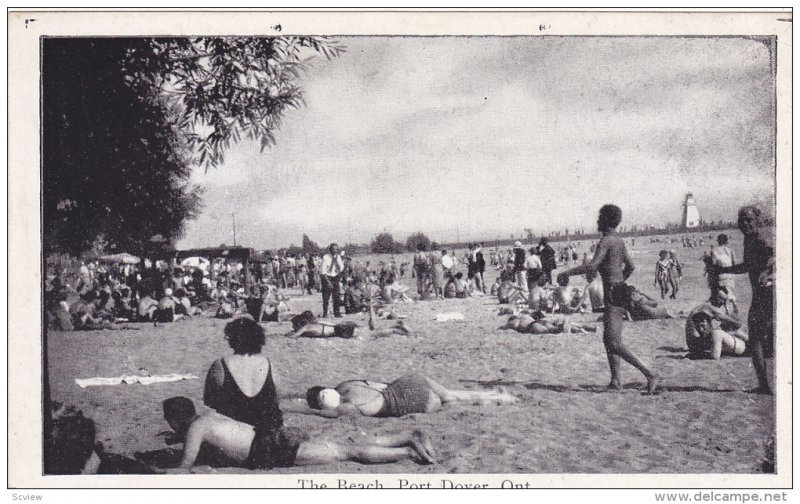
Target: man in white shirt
x,y
331,270
448,263
533,266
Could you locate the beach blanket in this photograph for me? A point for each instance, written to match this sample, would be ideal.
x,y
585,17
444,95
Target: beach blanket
x,y
449,316
128,379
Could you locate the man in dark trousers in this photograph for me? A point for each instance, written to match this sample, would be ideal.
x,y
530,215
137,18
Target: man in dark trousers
x,y
332,267
548,257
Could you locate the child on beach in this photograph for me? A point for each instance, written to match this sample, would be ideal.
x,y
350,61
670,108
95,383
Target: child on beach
x,y
661,278
675,273
614,264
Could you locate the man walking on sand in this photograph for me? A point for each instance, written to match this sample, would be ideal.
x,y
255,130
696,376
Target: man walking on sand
x,y
614,264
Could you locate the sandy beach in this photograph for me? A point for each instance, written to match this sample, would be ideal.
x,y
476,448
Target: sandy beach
x,y
566,421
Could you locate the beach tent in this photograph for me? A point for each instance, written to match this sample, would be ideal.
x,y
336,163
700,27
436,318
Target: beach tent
x,y
124,258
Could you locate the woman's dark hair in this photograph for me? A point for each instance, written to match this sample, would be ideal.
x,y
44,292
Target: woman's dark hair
x,y
699,317
722,239
312,397
70,442
245,336
302,320
459,275
610,216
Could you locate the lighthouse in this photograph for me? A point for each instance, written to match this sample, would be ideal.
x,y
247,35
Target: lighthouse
x,y
691,216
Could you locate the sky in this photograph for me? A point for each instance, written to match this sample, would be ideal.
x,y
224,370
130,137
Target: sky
x,y
478,138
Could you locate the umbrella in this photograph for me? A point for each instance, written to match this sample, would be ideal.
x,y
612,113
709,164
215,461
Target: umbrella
x,y
124,258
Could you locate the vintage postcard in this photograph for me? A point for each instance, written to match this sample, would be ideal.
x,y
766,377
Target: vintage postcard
x,y
400,249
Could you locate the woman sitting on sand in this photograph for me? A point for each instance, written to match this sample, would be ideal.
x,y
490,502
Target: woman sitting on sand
x,y
708,340
394,290
412,393
711,332
240,386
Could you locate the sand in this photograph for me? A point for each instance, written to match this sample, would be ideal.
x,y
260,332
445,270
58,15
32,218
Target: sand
x,y
703,421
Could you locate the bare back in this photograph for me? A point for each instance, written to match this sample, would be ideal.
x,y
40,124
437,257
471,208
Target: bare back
x,y
365,395
612,260
249,372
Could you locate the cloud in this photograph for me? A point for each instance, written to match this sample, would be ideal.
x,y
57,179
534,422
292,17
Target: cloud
x,y
483,136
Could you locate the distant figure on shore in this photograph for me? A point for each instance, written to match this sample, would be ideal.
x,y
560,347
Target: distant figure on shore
x,y
661,278
548,258
520,273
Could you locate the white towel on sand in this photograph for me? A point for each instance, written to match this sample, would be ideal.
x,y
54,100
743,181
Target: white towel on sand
x,y
449,316
128,379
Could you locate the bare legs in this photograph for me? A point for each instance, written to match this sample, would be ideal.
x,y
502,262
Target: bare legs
x,y
616,349
379,449
446,395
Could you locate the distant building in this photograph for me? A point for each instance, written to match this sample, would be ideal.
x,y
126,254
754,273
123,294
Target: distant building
x,y
691,216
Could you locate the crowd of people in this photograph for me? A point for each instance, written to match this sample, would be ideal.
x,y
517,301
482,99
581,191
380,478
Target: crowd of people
x,y
245,424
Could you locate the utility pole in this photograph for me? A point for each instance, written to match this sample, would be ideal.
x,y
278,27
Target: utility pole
x,y
234,228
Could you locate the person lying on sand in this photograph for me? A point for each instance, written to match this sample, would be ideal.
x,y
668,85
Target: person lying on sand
x,y
305,325
711,341
538,324
256,447
640,306
412,393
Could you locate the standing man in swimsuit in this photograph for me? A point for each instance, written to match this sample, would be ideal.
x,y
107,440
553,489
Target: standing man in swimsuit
x,y
759,264
614,264
412,393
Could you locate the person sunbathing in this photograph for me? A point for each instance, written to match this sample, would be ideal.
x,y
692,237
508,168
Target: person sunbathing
x,y
539,324
256,447
411,393
305,325
640,306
